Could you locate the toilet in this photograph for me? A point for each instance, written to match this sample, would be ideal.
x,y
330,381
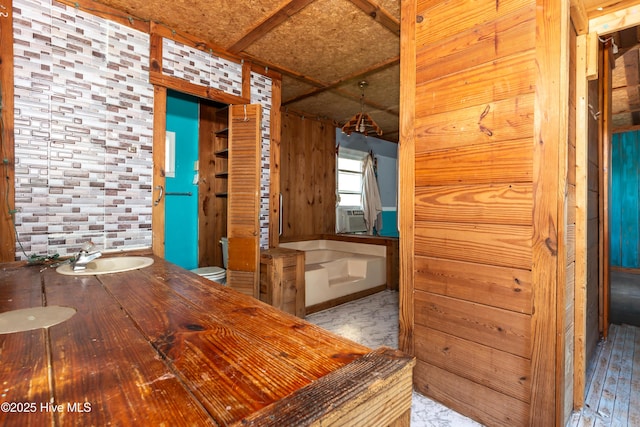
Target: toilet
x,y
216,274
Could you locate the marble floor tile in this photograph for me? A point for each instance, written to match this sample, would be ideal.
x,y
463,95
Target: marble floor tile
x,y
373,321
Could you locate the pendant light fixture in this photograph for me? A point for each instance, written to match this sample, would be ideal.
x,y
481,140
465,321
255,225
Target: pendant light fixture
x,y
362,122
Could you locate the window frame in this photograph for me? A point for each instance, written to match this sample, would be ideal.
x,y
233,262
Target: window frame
x,y
354,155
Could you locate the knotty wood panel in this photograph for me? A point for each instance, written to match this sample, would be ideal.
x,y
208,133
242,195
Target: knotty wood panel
x,y
503,245
550,132
484,121
503,162
491,285
492,368
445,21
502,120
489,203
501,329
477,401
476,86
511,32
307,179
24,353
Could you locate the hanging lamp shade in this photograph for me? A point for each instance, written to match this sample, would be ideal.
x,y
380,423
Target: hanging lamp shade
x,y
362,122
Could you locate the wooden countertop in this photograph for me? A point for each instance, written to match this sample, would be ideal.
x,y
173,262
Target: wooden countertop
x,y
163,345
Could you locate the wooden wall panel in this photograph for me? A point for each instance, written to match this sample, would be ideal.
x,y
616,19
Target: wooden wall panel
x,y
503,245
501,287
504,162
308,176
470,398
498,370
550,134
508,34
506,119
406,175
501,329
449,20
480,85
485,205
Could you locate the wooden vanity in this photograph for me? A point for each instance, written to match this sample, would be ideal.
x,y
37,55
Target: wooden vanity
x,y
162,345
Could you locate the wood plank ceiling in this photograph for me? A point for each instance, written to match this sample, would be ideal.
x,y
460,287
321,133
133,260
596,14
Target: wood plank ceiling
x,y
323,48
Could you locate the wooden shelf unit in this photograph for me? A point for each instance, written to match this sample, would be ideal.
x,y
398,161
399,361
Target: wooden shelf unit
x,y
214,180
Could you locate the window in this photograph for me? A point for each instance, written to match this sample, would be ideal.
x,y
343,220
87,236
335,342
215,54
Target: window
x,y
350,164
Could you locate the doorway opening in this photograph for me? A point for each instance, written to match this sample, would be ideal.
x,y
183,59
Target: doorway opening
x,y
195,181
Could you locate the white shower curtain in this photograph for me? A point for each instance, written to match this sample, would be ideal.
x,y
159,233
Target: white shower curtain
x,y
370,196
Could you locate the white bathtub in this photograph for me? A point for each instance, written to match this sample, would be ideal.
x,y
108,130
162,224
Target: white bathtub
x,y
335,269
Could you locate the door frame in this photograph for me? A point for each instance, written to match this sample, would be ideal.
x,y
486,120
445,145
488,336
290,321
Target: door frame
x,y
589,58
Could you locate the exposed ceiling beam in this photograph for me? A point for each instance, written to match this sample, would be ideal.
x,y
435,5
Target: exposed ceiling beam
x,y
379,14
277,18
358,74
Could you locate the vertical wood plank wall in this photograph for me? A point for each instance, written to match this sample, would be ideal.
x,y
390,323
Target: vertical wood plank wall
x,y
308,176
492,198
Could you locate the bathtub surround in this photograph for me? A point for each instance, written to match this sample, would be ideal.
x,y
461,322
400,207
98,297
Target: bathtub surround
x,y
84,126
338,269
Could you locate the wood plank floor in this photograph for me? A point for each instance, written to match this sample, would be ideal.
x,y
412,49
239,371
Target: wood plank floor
x,y
613,389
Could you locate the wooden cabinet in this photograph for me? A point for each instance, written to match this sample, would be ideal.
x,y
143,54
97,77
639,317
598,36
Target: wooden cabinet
x,y
282,282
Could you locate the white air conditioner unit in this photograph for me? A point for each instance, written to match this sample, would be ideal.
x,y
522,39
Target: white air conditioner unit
x,y
354,221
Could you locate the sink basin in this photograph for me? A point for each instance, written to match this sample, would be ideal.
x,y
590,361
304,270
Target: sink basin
x,y
108,265
28,319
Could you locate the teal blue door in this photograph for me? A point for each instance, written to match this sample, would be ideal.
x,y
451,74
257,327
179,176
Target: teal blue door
x,y
181,189
624,204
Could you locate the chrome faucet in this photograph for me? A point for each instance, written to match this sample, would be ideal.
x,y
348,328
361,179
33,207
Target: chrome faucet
x,y
84,257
